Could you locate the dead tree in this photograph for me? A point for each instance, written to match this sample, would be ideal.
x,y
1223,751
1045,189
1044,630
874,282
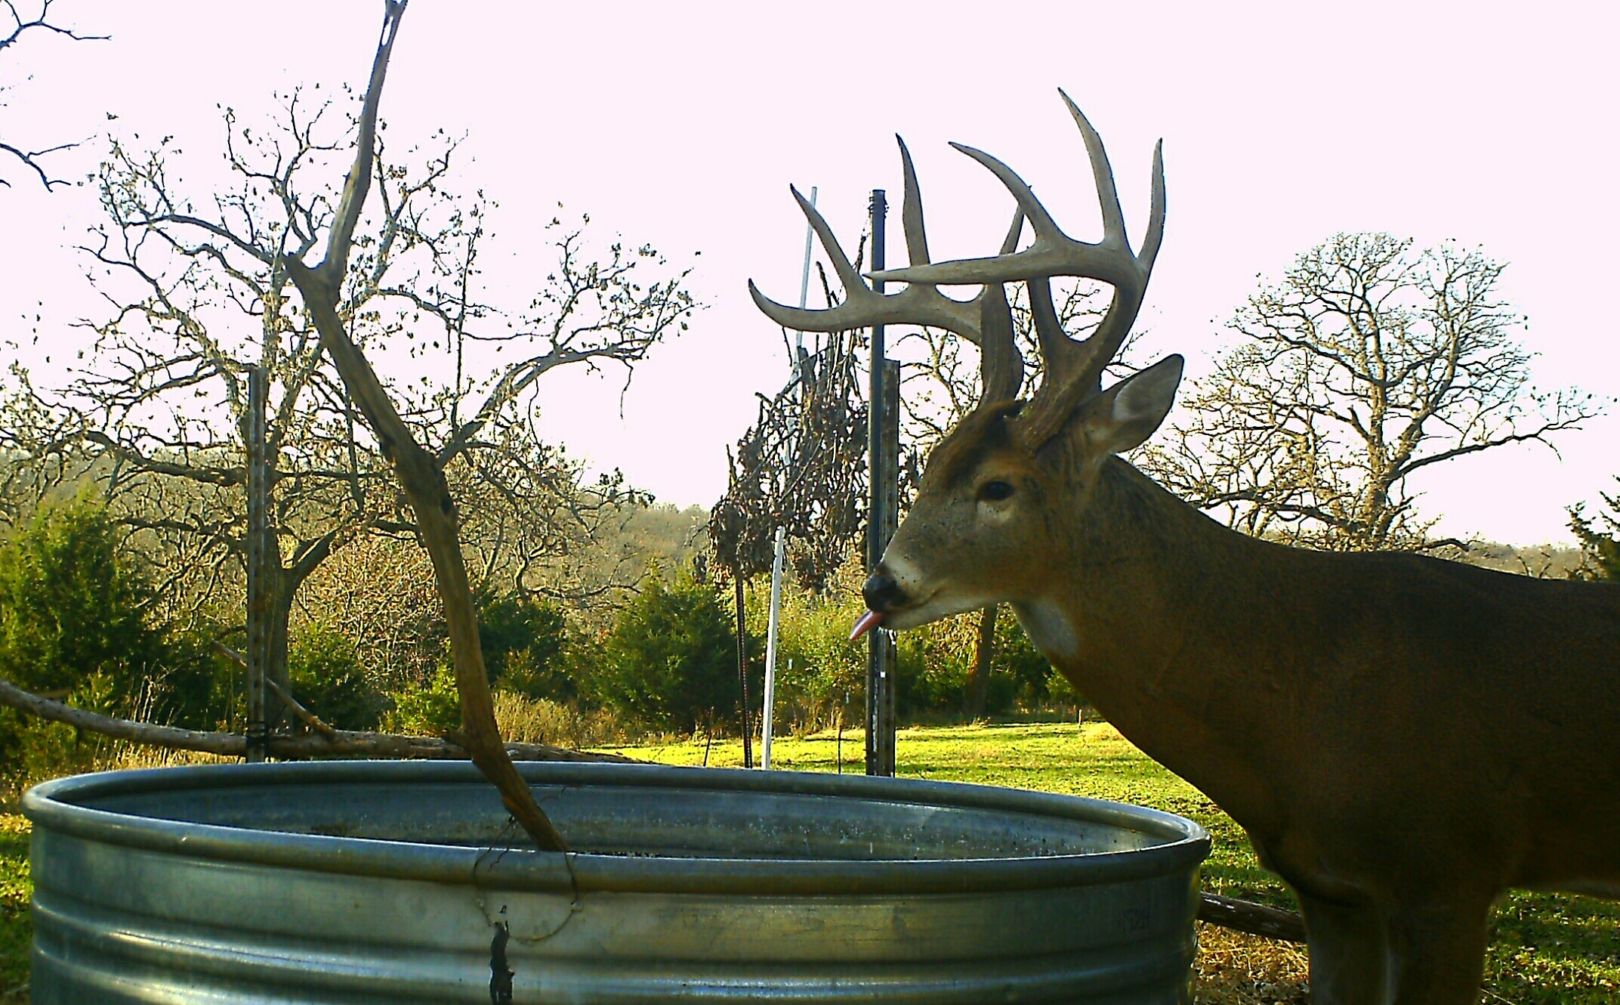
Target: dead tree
x,y
801,467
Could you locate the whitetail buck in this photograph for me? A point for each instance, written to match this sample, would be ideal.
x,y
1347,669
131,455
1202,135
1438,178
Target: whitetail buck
x,y
1403,738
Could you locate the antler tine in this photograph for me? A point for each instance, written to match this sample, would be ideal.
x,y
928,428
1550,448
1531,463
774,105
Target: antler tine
x,y
1084,366
1155,232
1058,350
838,318
919,303
1101,172
911,211
1001,365
1074,366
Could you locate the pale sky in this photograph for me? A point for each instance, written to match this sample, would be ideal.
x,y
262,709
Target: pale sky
x,y
681,125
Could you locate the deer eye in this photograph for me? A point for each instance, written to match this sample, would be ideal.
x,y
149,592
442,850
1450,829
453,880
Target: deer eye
x,y
995,491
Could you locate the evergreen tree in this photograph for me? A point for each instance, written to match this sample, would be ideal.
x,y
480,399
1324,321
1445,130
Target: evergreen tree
x,y
670,662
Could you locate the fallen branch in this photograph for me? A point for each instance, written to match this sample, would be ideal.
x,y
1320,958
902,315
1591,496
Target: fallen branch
x,y
308,718
1255,919
339,743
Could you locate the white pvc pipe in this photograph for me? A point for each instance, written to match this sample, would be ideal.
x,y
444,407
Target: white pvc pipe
x,y
776,564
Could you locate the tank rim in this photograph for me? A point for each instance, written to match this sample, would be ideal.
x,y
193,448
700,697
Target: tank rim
x,y
60,806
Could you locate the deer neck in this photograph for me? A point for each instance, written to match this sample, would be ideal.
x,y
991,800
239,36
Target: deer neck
x,y
1146,614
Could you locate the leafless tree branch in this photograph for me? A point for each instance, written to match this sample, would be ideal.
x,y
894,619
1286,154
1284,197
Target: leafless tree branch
x,y
21,24
419,474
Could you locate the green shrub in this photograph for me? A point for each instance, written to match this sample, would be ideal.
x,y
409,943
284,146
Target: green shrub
x,y
430,710
670,661
327,678
819,671
1020,676
526,644
194,684
72,622
71,605
933,666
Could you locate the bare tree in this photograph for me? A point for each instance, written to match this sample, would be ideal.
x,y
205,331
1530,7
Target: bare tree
x,y
33,20
1366,364
198,293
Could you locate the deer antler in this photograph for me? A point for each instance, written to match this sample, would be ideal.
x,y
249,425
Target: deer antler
x,y
1074,367
985,320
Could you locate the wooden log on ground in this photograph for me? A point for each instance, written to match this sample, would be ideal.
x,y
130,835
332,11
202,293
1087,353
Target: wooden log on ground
x,y
1255,919
338,743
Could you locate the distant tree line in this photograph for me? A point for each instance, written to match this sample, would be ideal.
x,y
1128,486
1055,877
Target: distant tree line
x,y
81,619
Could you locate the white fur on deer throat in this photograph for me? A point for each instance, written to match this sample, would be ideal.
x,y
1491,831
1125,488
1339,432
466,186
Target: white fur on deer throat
x,y
1047,626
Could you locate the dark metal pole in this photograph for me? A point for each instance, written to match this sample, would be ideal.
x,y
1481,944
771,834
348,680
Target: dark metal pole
x,y
742,668
883,465
890,467
258,587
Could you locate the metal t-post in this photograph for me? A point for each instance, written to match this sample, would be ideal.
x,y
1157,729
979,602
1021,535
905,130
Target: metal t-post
x,y
742,666
883,458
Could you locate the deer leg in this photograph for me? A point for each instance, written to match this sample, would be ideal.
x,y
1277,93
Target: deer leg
x,y
1437,952
1347,951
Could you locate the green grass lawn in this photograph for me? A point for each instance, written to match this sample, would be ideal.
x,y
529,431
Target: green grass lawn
x,y
1545,948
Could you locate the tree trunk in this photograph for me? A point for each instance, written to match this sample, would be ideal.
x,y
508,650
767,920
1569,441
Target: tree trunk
x,y
275,664
984,648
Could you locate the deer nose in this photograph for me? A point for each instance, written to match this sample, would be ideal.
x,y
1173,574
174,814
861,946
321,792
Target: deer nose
x,y
882,593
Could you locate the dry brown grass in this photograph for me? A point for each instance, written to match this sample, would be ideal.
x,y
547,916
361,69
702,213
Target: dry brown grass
x,y
1238,969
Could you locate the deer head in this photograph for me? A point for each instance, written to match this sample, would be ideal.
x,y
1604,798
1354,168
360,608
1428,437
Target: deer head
x,y
999,491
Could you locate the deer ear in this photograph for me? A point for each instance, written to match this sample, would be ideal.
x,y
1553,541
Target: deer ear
x,y
1125,415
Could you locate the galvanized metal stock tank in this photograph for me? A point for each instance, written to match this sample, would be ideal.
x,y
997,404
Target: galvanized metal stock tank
x,y
404,882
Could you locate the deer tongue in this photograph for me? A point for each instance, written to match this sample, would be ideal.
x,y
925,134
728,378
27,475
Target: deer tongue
x,y
864,624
